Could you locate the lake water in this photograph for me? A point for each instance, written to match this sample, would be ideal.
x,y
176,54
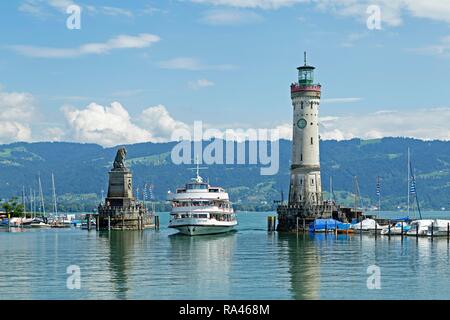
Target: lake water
x,y
248,264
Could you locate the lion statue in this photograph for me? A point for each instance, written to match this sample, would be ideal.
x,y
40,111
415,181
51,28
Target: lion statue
x,y
119,161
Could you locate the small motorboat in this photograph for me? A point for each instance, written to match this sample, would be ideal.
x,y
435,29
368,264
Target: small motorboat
x,y
38,223
439,227
419,227
398,228
368,225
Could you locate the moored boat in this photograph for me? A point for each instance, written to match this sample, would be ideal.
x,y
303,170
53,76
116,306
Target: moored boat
x,y
200,209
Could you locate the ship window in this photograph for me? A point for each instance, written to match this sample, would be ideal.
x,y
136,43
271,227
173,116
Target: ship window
x,y
301,157
197,186
301,104
312,140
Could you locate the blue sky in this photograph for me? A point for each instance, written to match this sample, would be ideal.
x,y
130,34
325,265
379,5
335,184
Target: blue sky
x,y
229,63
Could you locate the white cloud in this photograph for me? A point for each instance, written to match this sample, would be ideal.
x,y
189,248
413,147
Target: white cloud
x,y
262,4
392,11
160,123
340,100
230,17
107,126
440,49
16,113
426,124
191,64
44,8
110,11
201,83
112,125
143,40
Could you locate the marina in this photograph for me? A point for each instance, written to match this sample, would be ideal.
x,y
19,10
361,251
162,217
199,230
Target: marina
x,y
248,264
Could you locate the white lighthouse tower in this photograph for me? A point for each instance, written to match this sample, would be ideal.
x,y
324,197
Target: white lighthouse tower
x,y
305,188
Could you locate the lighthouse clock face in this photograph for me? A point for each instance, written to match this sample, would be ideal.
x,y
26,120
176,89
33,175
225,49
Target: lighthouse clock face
x,y
301,123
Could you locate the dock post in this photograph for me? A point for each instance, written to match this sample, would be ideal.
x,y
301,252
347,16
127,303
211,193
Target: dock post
x,y
417,231
297,224
304,225
432,230
109,222
360,228
157,222
376,229
448,232
9,221
97,222
326,228
389,228
401,230
269,223
89,222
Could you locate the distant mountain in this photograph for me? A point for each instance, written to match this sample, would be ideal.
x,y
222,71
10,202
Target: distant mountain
x,y
81,172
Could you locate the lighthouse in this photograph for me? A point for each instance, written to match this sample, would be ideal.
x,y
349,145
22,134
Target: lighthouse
x,y
305,188
305,201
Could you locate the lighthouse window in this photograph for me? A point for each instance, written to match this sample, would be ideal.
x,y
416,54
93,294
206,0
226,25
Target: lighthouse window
x,y
312,141
301,157
312,182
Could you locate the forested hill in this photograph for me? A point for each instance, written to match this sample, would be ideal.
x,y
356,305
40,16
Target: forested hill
x,y
81,171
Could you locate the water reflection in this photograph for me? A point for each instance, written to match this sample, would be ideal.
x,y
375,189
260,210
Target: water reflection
x,y
304,265
202,264
121,256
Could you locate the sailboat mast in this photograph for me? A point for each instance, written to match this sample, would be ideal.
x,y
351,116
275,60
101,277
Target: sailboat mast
x,y
55,206
409,177
331,189
31,203
379,194
23,201
41,195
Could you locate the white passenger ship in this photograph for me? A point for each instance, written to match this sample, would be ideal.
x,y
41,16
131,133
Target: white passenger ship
x,y
199,209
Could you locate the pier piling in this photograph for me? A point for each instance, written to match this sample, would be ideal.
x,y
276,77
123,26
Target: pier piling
x,y
97,223
448,232
157,222
89,222
109,223
389,229
432,230
297,224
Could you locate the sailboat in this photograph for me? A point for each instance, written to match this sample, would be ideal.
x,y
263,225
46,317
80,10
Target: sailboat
x,y
404,225
40,222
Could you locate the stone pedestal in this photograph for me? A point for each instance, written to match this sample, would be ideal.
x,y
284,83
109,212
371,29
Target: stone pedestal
x,y
121,211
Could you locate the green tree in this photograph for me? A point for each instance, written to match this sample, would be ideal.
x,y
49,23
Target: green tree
x,y
13,208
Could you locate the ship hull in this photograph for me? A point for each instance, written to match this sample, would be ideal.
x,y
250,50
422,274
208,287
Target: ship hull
x,y
195,230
